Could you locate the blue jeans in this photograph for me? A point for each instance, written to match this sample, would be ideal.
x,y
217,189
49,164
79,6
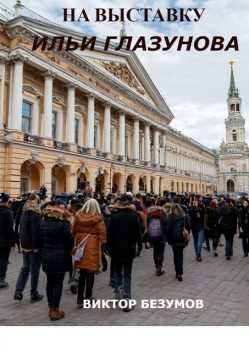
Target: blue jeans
x,y
198,241
122,277
4,256
31,264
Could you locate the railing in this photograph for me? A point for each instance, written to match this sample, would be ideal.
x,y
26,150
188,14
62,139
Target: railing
x,y
33,139
117,157
61,145
83,150
100,153
153,165
143,162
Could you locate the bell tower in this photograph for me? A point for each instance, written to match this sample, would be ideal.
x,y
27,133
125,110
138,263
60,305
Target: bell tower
x,y
235,123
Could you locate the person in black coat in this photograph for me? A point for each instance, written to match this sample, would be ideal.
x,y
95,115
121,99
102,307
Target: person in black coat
x,y
31,248
123,242
7,237
244,226
196,214
177,221
228,221
57,244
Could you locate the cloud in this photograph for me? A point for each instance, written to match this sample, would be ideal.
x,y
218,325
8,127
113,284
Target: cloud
x,y
194,84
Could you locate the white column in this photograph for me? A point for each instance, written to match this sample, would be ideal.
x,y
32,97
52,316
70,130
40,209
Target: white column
x,y
147,142
136,140
143,148
17,97
70,113
107,128
35,117
164,161
90,122
156,146
2,83
122,134
48,104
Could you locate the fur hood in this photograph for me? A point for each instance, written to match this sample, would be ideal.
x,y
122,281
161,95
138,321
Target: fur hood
x,y
155,208
56,213
32,206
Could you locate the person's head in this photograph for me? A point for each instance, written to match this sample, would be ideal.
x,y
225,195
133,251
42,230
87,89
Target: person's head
x,y
214,203
176,209
245,203
125,199
4,198
33,197
167,207
195,204
91,206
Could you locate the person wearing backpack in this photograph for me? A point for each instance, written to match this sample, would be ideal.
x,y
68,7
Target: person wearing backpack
x,y
156,233
177,221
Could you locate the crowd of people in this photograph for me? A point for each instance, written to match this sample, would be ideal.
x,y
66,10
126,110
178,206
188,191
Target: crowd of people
x,y
78,236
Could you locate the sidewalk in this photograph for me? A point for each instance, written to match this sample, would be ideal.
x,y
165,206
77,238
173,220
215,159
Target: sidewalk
x,y
222,285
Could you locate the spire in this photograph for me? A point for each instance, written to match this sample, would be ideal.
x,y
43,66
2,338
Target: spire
x,y
123,29
233,92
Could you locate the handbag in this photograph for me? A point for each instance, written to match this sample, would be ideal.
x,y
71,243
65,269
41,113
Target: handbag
x,y
185,233
79,249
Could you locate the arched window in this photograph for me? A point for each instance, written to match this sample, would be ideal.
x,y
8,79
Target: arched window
x,y
234,135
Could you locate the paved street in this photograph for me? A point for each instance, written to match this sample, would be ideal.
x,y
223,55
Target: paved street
x,y
222,285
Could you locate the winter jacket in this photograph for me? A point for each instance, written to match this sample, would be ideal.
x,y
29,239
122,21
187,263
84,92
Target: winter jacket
x,y
212,221
30,225
175,226
124,234
243,219
229,219
7,236
94,225
196,216
57,241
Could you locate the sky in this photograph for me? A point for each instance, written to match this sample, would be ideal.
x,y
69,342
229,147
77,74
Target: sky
x,y
193,84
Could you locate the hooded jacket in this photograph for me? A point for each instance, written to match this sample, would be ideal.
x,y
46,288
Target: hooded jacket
x,y
30,225
7,237
94,225
57,241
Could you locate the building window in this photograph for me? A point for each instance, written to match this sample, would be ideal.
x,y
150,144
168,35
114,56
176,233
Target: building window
x,y
111,141
232,107
95,136
234,134
140,148
26,116
237,107
76,131
172,186
54,124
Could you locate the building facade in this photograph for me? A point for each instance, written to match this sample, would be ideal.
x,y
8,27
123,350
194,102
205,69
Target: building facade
x,y
87,118
233,155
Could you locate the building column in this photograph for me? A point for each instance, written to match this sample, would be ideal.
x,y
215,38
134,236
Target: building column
x,y
17,96
90,121
122,134
156,184
35,117
48,104
156,146
135,185
107,128
48,180
2,84
143,148
136,139
147,143
164,161
70,113
148,177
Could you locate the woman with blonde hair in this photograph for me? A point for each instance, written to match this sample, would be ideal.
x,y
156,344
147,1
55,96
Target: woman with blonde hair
x,y
89,228
177,222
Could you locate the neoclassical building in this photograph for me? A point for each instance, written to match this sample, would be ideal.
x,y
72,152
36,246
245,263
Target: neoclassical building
x,y
233,155
87,118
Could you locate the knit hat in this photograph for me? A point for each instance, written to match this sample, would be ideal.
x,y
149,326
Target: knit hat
x,y
4,197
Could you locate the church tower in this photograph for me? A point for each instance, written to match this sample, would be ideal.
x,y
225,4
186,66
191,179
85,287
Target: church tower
x,y
233,156
235,123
